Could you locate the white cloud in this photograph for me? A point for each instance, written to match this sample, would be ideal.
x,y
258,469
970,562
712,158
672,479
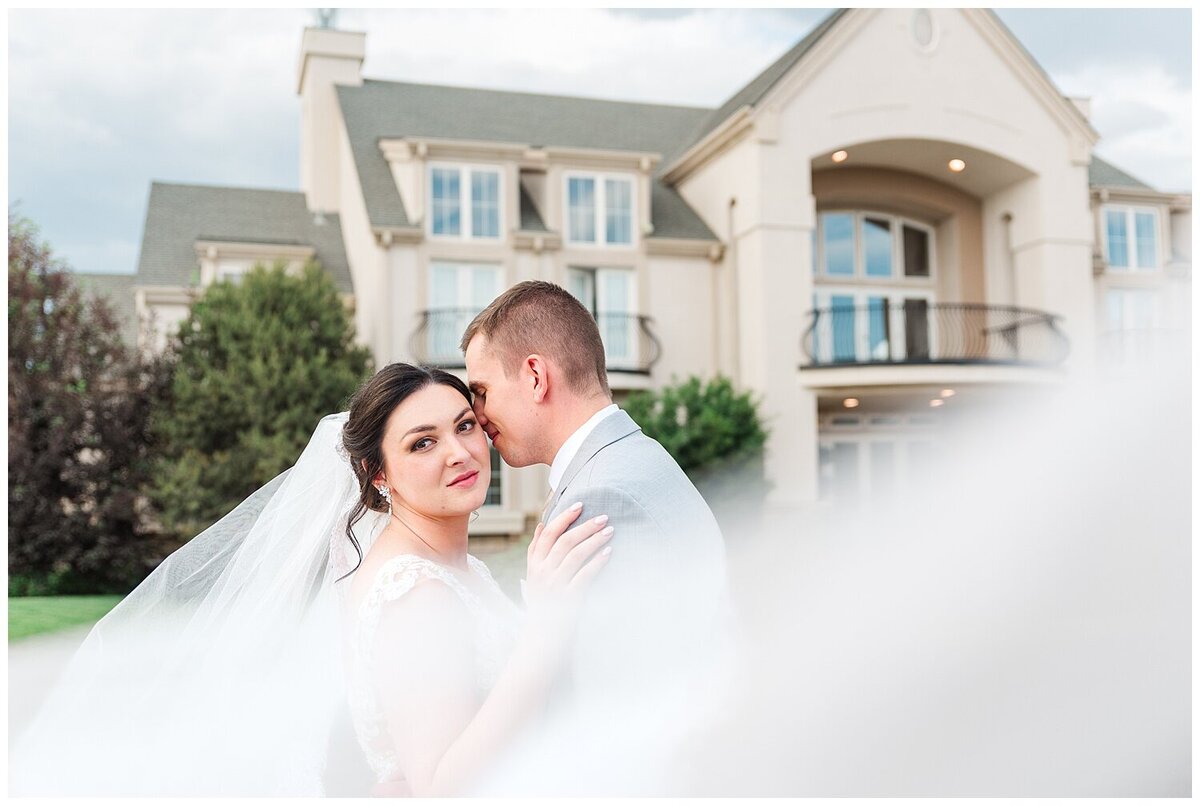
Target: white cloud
x,y
1144,116
102,102
697,58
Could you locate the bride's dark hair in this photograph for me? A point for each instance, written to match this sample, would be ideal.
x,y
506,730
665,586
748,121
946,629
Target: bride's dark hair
x,y
362,435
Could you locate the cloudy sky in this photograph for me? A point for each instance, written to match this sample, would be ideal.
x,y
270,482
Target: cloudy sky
x,y
103,102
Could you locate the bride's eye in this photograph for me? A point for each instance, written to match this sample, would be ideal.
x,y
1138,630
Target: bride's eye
x,y
419,445
466,426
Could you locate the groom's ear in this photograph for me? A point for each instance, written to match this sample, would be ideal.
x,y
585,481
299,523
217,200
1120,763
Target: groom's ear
x,y
538,376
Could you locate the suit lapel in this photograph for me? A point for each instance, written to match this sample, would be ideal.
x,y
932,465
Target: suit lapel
x,y
612,428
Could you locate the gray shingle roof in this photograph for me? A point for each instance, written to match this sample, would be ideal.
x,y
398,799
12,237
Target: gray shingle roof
x,y
531,219
118,290
1105,174
179,215
760,85
383,109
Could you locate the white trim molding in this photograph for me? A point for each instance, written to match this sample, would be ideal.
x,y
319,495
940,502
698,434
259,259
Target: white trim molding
x,y
387,236
537,241
709,146
242,250
685,247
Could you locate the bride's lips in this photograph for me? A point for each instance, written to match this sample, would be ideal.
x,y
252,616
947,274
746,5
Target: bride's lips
x,y
466,480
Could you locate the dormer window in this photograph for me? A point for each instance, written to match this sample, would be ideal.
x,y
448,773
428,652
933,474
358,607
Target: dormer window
x,y
464,202
599,209
1131,238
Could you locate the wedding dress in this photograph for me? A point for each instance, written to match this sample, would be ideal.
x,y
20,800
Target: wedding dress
x,y
495,621
223,672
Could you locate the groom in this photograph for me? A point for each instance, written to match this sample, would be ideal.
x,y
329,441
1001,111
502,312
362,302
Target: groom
x,y
536,365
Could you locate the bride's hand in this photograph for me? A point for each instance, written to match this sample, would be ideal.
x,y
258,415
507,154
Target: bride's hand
x,y
562,563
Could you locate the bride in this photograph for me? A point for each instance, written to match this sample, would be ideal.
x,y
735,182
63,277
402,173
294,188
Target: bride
x,y
344,582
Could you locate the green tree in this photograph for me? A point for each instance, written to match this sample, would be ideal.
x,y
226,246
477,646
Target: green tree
x,y
257,364
702,425
79,405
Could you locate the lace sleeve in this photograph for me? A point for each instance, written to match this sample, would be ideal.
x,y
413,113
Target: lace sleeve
x,y
395,579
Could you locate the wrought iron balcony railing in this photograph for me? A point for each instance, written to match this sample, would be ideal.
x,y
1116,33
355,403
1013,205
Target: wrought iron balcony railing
x,y
920,332
629,343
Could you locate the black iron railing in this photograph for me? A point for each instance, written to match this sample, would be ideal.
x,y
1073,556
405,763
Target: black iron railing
x,y
629,343
920,332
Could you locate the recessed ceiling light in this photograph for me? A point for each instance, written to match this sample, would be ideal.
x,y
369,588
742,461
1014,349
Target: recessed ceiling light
x,y
957,166
850,402
840,156
937,401
947,393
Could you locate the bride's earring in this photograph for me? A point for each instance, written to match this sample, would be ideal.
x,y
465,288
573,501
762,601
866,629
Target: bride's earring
x,y
386,493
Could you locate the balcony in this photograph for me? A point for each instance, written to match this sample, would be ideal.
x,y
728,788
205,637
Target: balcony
x,y
916,332
630,346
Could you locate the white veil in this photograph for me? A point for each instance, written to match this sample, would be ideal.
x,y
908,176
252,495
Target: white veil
x,y
221,673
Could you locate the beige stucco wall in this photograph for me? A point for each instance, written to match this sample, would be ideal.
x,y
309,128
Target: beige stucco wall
x,y
327,58
1024,237
679,298
365,257
1181,236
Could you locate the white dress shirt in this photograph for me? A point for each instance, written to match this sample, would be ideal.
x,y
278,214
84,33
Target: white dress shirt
x,y
562,459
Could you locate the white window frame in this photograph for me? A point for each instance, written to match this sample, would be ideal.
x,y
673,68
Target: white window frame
x,y
231,272
894,296
464,292
599,178
601,276
501,482
897,224
1131,242
1126,294
465,169
902,436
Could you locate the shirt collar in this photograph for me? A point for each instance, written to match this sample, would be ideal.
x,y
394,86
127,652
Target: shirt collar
x,y
562,459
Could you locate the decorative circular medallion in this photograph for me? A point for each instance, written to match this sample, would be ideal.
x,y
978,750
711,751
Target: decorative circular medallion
x,y
923,30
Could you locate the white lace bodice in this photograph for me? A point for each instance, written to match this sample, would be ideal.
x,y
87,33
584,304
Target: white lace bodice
x,y
496,625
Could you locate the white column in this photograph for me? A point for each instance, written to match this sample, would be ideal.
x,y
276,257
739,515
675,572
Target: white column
x,y
774,289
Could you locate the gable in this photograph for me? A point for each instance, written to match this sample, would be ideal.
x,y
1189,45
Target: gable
x,y
868,61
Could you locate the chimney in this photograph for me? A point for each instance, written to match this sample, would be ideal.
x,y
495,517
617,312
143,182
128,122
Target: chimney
x,y
327,58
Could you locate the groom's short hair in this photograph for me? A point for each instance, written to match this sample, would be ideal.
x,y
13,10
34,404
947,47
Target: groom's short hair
x,y
544,318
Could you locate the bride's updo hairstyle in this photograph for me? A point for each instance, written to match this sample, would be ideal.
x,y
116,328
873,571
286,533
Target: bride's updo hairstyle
x,y
362,435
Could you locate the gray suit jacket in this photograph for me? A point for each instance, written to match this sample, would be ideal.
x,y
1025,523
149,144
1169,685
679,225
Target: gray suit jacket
x,y
655,609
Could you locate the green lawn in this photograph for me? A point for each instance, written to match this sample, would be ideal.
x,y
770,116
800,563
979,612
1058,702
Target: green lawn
x,y
34,615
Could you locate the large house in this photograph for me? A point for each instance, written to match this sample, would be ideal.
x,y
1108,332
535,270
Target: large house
x,y
898,218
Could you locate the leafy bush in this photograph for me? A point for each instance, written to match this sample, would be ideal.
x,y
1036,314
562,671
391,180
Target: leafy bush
x,y
258,364
79,405
701,425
